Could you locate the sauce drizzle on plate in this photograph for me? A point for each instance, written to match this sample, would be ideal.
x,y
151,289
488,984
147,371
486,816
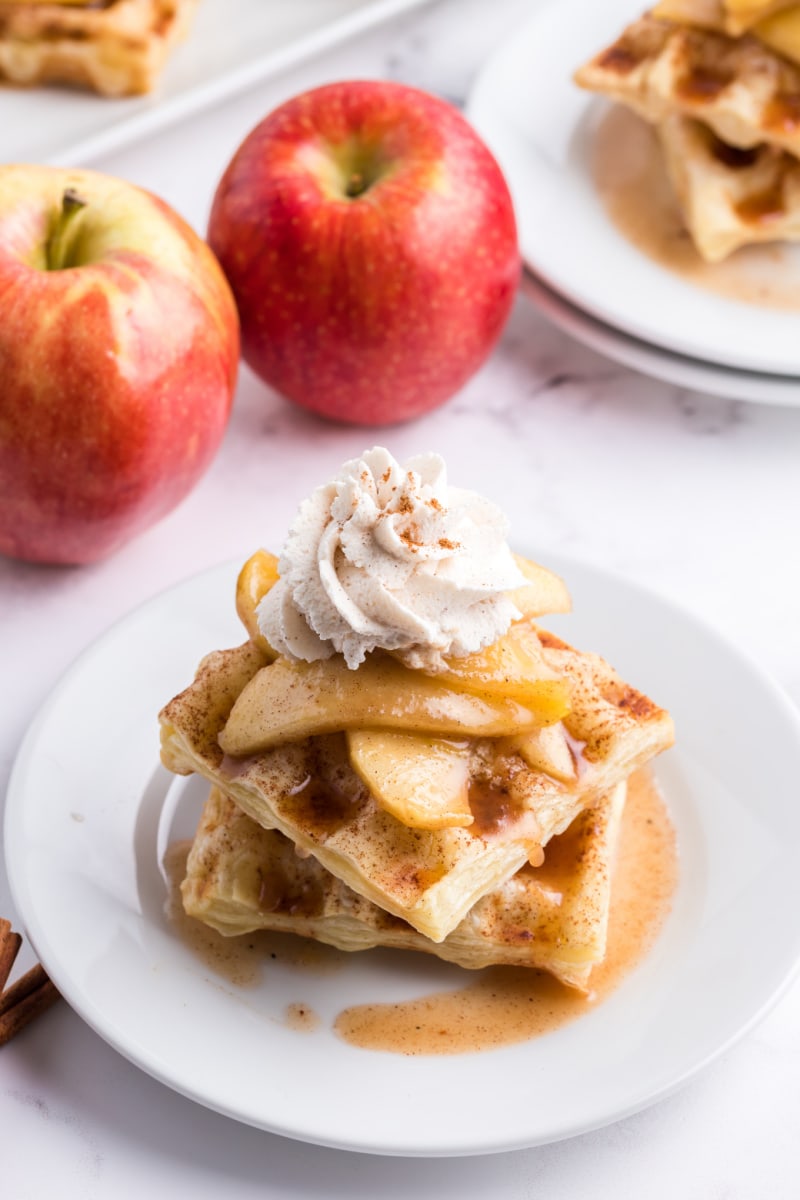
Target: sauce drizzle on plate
x,y
631,180
505,1005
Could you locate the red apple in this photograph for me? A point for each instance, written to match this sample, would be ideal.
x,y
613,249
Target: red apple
x,y
370,242
119,348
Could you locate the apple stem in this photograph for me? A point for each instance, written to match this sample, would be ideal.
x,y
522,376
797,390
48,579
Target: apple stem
x,y
355,185
71,201
57,248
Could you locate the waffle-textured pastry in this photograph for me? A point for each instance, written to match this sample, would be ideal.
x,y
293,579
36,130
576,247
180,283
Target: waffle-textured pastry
x,y
241,877
742,90
430,878
115,47
777,25
730,198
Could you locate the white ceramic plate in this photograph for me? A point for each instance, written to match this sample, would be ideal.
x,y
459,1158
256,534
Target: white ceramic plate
x,y
660,364
89,811
233,44
540,127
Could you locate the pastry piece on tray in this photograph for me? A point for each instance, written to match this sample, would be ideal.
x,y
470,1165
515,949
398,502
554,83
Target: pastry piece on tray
x,y
742,90
114,47
730,198
241,877
308,790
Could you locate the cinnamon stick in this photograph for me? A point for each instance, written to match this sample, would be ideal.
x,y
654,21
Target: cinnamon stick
x,y
31,995
9,949
31,999
27,983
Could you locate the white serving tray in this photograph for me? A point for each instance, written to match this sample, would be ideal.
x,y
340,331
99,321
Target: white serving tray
x,y
233,45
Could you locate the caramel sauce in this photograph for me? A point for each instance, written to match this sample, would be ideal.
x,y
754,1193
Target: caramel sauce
x,y
302,1018
782,114
495,812
763,206
499,816
632,182
502,1006
620,59
321,807
701,85
559,858
735,157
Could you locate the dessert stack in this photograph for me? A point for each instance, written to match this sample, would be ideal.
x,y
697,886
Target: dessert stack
x,y
399,754
720,81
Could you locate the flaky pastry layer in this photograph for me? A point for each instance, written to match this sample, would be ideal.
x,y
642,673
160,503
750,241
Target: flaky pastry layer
x,y
743,91
730,198
241,877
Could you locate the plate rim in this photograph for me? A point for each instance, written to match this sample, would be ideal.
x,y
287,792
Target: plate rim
x,y
655,362
93,1016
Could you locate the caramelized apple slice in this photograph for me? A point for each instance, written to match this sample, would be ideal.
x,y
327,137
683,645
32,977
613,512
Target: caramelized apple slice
x,y
546,750
289,700
545,592
422,781
256,577
513,667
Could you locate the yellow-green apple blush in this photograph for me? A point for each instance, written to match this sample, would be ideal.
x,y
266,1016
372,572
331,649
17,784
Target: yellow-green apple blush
x,y
119,348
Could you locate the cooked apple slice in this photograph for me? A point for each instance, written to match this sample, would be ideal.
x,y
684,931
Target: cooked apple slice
x,y
546,750
422,781
544,593
289,700
256,577
513,667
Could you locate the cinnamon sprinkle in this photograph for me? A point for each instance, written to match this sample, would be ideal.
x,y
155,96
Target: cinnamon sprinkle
x,y
31,995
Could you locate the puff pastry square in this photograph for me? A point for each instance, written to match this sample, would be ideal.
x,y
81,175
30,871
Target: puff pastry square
x,y
308,791
241,877
741,89
114,47
730,198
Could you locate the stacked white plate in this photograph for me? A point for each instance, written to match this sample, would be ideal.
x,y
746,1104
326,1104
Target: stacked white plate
x,y
581,270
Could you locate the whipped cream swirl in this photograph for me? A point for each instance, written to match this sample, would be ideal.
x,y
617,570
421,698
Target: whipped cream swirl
x,y
388,556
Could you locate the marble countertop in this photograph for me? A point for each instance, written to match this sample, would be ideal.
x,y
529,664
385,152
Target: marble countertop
x,y
698,498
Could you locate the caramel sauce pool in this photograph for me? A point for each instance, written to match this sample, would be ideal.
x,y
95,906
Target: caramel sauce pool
x,y
631,180
505,1005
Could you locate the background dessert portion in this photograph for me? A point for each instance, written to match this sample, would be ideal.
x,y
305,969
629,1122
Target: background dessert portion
x,y
721,83
399,721
113,47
